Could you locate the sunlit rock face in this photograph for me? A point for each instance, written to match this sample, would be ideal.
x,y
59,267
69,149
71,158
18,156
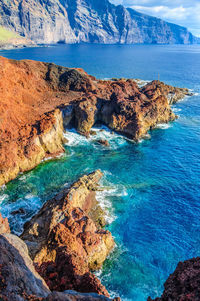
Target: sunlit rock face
x,y
93,21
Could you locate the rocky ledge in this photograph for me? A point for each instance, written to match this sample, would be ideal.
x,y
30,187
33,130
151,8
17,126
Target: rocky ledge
x,y
37,100
65,242
183,284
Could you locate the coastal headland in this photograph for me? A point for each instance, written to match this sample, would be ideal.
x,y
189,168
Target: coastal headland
x,y
39,100
65,241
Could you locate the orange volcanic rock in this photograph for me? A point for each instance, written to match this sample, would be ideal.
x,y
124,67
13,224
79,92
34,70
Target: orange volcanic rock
x,y
36,99
4,225
65,243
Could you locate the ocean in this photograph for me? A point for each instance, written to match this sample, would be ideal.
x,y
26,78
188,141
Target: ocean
x,y
152,189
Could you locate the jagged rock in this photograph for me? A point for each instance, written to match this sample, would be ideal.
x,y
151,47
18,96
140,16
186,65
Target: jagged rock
x,y
19,211
93,21
32,116
19,280
17,272
4,225
65,243
103,142
183,284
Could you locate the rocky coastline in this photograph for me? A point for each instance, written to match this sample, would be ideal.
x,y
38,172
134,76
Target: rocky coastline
x,y
65,241
38,100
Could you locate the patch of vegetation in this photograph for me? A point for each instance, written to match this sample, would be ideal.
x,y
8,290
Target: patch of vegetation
x,y
6,35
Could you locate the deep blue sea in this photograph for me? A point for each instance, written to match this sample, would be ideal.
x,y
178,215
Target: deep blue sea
x,y
152,189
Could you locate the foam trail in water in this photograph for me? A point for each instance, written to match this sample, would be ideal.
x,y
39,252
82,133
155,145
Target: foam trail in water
x,y
3,197
104,196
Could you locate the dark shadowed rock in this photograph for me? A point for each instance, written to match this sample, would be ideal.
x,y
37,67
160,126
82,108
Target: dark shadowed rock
x,y
103,142
184,283
17,272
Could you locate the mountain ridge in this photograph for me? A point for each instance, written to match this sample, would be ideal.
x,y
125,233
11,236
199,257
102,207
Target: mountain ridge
x,y
88,21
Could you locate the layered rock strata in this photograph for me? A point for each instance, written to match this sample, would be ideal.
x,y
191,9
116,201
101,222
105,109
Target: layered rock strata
x,y
37,99
183,284
65,243
93,21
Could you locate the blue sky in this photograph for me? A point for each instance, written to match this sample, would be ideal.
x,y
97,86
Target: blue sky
x,y
182,12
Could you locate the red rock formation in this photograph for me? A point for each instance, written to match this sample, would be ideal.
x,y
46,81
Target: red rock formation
x,y
183,284
4,225
33,94
20,281
65,243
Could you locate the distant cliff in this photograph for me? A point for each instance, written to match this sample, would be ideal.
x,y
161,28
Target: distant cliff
x,y
90,21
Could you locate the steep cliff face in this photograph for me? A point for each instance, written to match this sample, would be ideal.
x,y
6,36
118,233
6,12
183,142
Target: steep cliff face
x,y
94,21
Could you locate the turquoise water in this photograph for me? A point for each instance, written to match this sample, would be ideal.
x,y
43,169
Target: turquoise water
x,y
152,189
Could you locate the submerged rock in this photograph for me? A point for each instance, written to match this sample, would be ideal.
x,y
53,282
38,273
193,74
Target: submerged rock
x,y
65,242
183,284
32,117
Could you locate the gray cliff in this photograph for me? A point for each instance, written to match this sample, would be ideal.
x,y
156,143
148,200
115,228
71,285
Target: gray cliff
x,y
89,21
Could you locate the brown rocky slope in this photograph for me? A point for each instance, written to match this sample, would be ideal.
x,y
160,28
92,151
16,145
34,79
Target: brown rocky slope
x,y
65,242
36,99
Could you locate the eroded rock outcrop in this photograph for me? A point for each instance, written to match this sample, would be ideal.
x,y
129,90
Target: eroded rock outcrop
x,y
66,242
37,99
19,281
183,284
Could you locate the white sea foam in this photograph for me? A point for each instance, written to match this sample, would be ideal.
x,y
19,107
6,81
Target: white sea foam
x,y
102,133
61,155
176,110
3,187
3,197
106,205
74,138
141,83
30,204
104,196
23,178
163,126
